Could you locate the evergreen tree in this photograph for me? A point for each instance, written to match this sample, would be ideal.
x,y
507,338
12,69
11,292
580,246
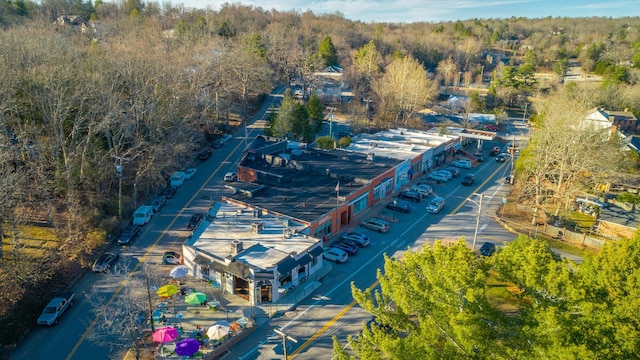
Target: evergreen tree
x,y
327,52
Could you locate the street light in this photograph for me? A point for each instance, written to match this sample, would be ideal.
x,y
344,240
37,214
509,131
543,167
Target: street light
x,y
475,233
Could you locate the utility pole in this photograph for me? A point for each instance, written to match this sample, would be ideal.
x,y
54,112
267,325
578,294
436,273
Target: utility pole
x,y
331,109
475,233
525,112
367,102
119,172
284,340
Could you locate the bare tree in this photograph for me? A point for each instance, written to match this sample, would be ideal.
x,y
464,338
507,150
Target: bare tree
x,y
403,90
124,319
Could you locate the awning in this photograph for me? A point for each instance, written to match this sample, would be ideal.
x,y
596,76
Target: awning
x,y
285,265
202,260
263,276
239,269
218,267
316,251
304,260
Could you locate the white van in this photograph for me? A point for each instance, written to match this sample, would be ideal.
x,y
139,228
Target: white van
x,y
142,215
177,178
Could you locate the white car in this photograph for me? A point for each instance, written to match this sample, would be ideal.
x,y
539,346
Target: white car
x,y
437,177
359,238
463,164
231,177
188,174
335,254
445,173
424,190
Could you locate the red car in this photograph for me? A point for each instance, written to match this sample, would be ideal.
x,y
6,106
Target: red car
x,y
491,128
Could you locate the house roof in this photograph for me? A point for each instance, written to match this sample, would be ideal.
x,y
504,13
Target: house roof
x,y
275,241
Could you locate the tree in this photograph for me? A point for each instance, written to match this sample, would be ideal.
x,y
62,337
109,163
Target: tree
x,y
448,69
434,304
315,109
327,52
403,89
123,322
368,60
555,164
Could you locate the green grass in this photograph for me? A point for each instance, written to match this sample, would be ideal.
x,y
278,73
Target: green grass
x,y
499,294
32,240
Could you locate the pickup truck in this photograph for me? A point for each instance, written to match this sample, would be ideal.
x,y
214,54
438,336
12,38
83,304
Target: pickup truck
x,y
55,308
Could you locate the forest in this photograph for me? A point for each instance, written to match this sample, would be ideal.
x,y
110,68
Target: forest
x,y
89,87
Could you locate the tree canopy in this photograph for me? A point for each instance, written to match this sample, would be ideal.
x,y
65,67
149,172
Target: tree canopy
x,y
440,302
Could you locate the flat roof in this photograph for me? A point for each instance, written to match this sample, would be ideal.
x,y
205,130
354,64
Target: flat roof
x,y
277,239
305,179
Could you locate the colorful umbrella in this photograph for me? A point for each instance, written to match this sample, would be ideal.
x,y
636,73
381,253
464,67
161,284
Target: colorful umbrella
x,y
165,334
195,298
187,347
179,272
167,290
218,331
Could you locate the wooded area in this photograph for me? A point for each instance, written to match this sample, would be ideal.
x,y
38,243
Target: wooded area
x,y
145,86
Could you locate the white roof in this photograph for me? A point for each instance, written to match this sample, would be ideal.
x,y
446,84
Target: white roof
x,y
227,222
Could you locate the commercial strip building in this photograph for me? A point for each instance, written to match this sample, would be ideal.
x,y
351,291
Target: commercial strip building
x,y
266,235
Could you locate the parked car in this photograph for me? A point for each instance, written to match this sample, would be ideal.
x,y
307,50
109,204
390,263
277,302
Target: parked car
x,y
129,234
463,164
479,158
435,205
375,224
158,202
410,195
436,176
468,179
491,128
502,157
223,140
177,179
168,192
55,308
399,206
487,249
507,179
205,154
359,238
453,170
477,153
194,220
335,254
495,151
445,173
349,249
424,190
104,262
171,258
231,177
188,174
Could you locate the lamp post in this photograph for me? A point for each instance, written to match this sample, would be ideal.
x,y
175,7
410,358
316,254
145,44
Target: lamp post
x,y
120,173
475,233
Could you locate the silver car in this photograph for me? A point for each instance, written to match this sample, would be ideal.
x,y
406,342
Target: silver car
x,y
375,224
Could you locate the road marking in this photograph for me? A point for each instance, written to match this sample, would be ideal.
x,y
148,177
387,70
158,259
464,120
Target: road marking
x,y
328,324
464,202
147,254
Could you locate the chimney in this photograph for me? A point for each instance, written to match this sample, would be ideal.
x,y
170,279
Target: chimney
x,y
236,247
371,156
257,227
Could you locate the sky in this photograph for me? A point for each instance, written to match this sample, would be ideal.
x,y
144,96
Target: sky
x,y
408,11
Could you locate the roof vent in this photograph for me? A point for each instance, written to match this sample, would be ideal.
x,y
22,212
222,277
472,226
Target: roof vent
x,y
371,156
236,247
257,227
